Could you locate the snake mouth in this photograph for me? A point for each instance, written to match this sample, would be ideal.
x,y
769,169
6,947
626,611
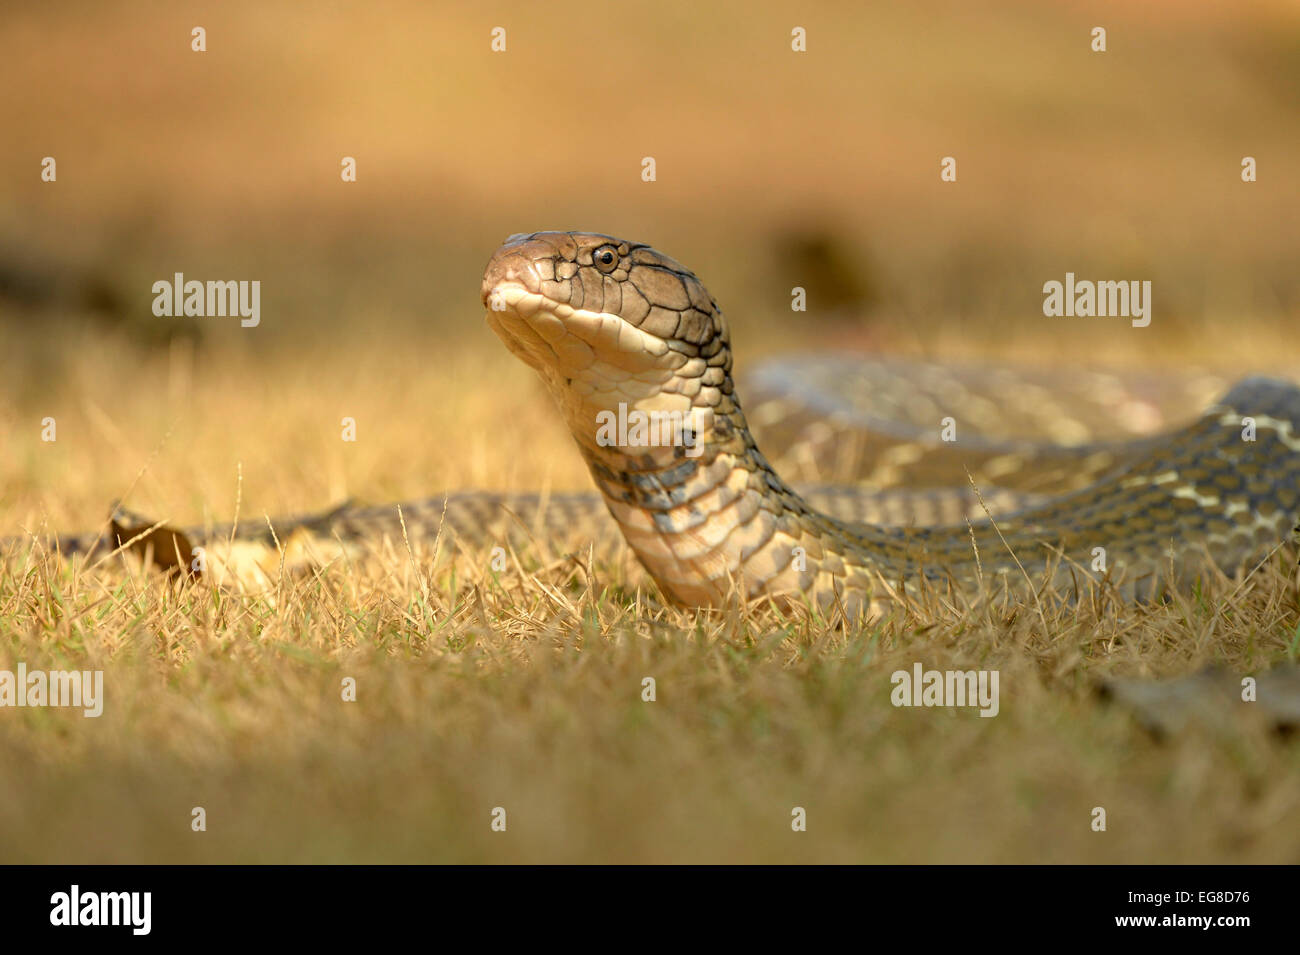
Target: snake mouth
x,y
517,311
559,338
509,325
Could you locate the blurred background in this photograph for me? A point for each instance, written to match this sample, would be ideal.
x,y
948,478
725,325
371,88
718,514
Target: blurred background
x,y
775,169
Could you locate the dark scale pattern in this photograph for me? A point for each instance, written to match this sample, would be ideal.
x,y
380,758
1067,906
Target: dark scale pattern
x,y
1153,503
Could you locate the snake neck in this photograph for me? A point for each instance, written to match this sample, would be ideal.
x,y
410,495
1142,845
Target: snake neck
x,y
708,516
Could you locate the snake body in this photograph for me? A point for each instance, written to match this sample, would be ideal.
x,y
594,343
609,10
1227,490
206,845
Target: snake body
x,y
614,327
610,325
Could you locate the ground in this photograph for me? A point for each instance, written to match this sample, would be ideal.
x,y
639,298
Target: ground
x,y
477,690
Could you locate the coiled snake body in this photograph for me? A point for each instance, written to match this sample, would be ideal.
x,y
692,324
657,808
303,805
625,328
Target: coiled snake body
x,y
614,327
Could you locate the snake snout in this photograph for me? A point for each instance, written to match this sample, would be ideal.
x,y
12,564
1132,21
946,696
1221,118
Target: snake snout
x,y
515,263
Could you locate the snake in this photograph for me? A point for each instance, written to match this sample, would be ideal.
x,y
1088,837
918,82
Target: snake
x,y
612,325
947,494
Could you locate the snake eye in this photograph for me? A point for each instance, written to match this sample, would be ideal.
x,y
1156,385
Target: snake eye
x,y
606,257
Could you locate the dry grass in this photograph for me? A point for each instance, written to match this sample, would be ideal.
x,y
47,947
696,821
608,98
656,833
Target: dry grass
x,y
523,690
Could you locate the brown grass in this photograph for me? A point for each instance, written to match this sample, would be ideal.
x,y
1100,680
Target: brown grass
x,y
478,690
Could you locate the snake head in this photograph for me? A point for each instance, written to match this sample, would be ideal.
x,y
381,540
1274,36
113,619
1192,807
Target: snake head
x,y
607,323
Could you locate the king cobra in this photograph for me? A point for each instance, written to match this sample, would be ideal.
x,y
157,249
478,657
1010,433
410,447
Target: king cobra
x,y
612,325
616,329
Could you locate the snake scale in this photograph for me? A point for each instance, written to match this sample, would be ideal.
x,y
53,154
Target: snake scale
x,y
614,327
